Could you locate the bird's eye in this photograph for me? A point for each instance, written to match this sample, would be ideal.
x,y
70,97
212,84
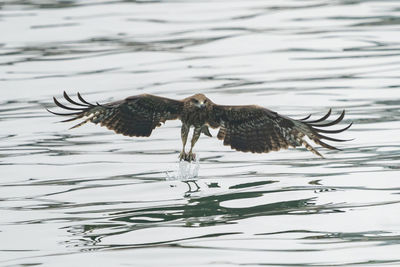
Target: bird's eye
x,y
195,100
205,101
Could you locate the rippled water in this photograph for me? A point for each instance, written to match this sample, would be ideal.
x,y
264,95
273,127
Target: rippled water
x,y
88,197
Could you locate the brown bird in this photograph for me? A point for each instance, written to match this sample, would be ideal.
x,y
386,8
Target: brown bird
x,y
248,128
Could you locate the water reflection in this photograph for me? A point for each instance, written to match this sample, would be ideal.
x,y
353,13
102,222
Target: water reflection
x,y
206,211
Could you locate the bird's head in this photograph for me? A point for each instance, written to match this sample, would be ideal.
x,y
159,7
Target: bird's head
x,y
199,101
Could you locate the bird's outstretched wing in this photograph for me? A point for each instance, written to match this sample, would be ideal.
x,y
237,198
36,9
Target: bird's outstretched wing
x,y
259,130
133,116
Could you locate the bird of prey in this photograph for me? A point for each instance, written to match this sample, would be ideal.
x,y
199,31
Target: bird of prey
x,y
249,128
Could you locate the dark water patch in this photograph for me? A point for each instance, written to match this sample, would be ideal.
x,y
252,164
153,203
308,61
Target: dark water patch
x,y
57,4
246,185
54,25
385,238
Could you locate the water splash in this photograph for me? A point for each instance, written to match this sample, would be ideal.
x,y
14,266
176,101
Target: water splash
x,y
186,171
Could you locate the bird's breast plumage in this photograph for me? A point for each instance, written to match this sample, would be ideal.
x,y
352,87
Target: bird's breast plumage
x,y
194,117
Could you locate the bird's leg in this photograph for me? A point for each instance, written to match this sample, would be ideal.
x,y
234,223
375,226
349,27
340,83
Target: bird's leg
x,y
196,134
184,134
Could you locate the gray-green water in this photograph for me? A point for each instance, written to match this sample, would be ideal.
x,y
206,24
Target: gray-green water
x,y
88,197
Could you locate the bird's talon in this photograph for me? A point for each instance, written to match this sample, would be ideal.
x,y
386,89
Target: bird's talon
x,y
191,157
182,156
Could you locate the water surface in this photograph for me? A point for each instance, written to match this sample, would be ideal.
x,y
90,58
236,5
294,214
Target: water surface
x,y
88,197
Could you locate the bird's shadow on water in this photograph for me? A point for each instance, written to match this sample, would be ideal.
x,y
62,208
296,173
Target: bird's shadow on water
x,y
196,211
209,210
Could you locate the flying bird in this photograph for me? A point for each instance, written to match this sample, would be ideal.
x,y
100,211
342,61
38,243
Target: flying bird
x,y
249,128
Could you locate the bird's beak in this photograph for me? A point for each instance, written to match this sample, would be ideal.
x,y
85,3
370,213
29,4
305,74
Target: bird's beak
x,y
201,105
